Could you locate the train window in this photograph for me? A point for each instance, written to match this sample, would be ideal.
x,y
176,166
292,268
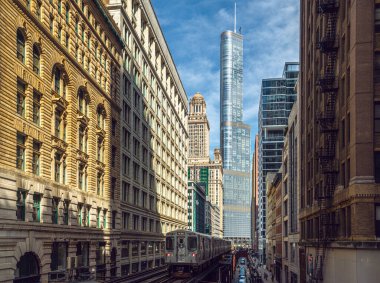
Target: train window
x,y
192,243
169,243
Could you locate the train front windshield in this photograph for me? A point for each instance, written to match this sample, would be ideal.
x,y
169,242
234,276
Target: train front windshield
x,y
192,243
170,243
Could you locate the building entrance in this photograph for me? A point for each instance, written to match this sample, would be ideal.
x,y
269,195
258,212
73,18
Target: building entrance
x,y
28,270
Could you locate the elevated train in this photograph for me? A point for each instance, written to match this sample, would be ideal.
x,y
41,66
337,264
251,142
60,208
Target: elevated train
x,y
190,252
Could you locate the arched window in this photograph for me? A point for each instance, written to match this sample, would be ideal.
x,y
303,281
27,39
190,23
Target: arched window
x,y
36,59
20,46
27,269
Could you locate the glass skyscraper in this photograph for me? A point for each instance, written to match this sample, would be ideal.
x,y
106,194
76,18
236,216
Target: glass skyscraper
x,y
235,141
276,102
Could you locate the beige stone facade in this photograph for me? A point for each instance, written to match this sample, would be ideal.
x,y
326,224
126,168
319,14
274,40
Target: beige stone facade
x,y
59,174
338,116
199,130
154,139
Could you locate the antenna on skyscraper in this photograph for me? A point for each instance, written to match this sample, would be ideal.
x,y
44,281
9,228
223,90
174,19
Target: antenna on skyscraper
x,y
235,19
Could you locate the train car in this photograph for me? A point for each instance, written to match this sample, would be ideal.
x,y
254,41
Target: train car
x,y
188,252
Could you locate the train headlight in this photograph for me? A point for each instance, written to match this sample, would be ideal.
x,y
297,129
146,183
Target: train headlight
x,y
168,254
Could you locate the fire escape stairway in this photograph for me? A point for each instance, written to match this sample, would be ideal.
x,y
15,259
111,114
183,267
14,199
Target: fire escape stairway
x,y
328,86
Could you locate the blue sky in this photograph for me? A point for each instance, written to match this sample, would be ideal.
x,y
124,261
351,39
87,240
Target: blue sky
x,y
192,29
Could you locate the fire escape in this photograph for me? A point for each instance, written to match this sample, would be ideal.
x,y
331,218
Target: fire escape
x,y
328,86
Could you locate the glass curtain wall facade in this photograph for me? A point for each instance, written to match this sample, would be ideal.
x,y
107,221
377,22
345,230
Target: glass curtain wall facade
x,y
235,141
276,101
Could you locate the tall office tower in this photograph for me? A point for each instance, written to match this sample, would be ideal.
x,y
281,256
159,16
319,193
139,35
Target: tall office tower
x,y
154,136
202,170
276,101
340,141
235,142
59,172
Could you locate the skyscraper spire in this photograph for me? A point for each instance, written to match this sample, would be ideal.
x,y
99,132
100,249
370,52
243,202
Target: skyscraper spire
x,y
235,19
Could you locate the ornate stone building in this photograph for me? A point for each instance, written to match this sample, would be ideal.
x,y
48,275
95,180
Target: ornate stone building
x,y
60,111
199,130
201,168
154,138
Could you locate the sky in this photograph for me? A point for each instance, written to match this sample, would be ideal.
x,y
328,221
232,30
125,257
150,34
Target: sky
x,y
192,30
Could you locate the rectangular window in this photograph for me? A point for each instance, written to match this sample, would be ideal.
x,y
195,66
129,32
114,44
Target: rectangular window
x,y
58,158
20,203
59,33
98,221
36,214
104,218
126,164
82,178
144,199
20,159
99,184
125,192
124,249
125,220
144,224
136,222
135,248
151,225
377,18
113,187
58,123
143,248
343,134
113,127
113,219
21,98
377,166
136,194
377,67
65,212
113,156
80,214
377,221
36,157
51,23
58,256
54,210
136,171
151,203
36,107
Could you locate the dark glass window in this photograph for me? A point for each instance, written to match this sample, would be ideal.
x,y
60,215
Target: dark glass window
x,y
377,166
192,243
170,243
20,46
377,220
36,60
